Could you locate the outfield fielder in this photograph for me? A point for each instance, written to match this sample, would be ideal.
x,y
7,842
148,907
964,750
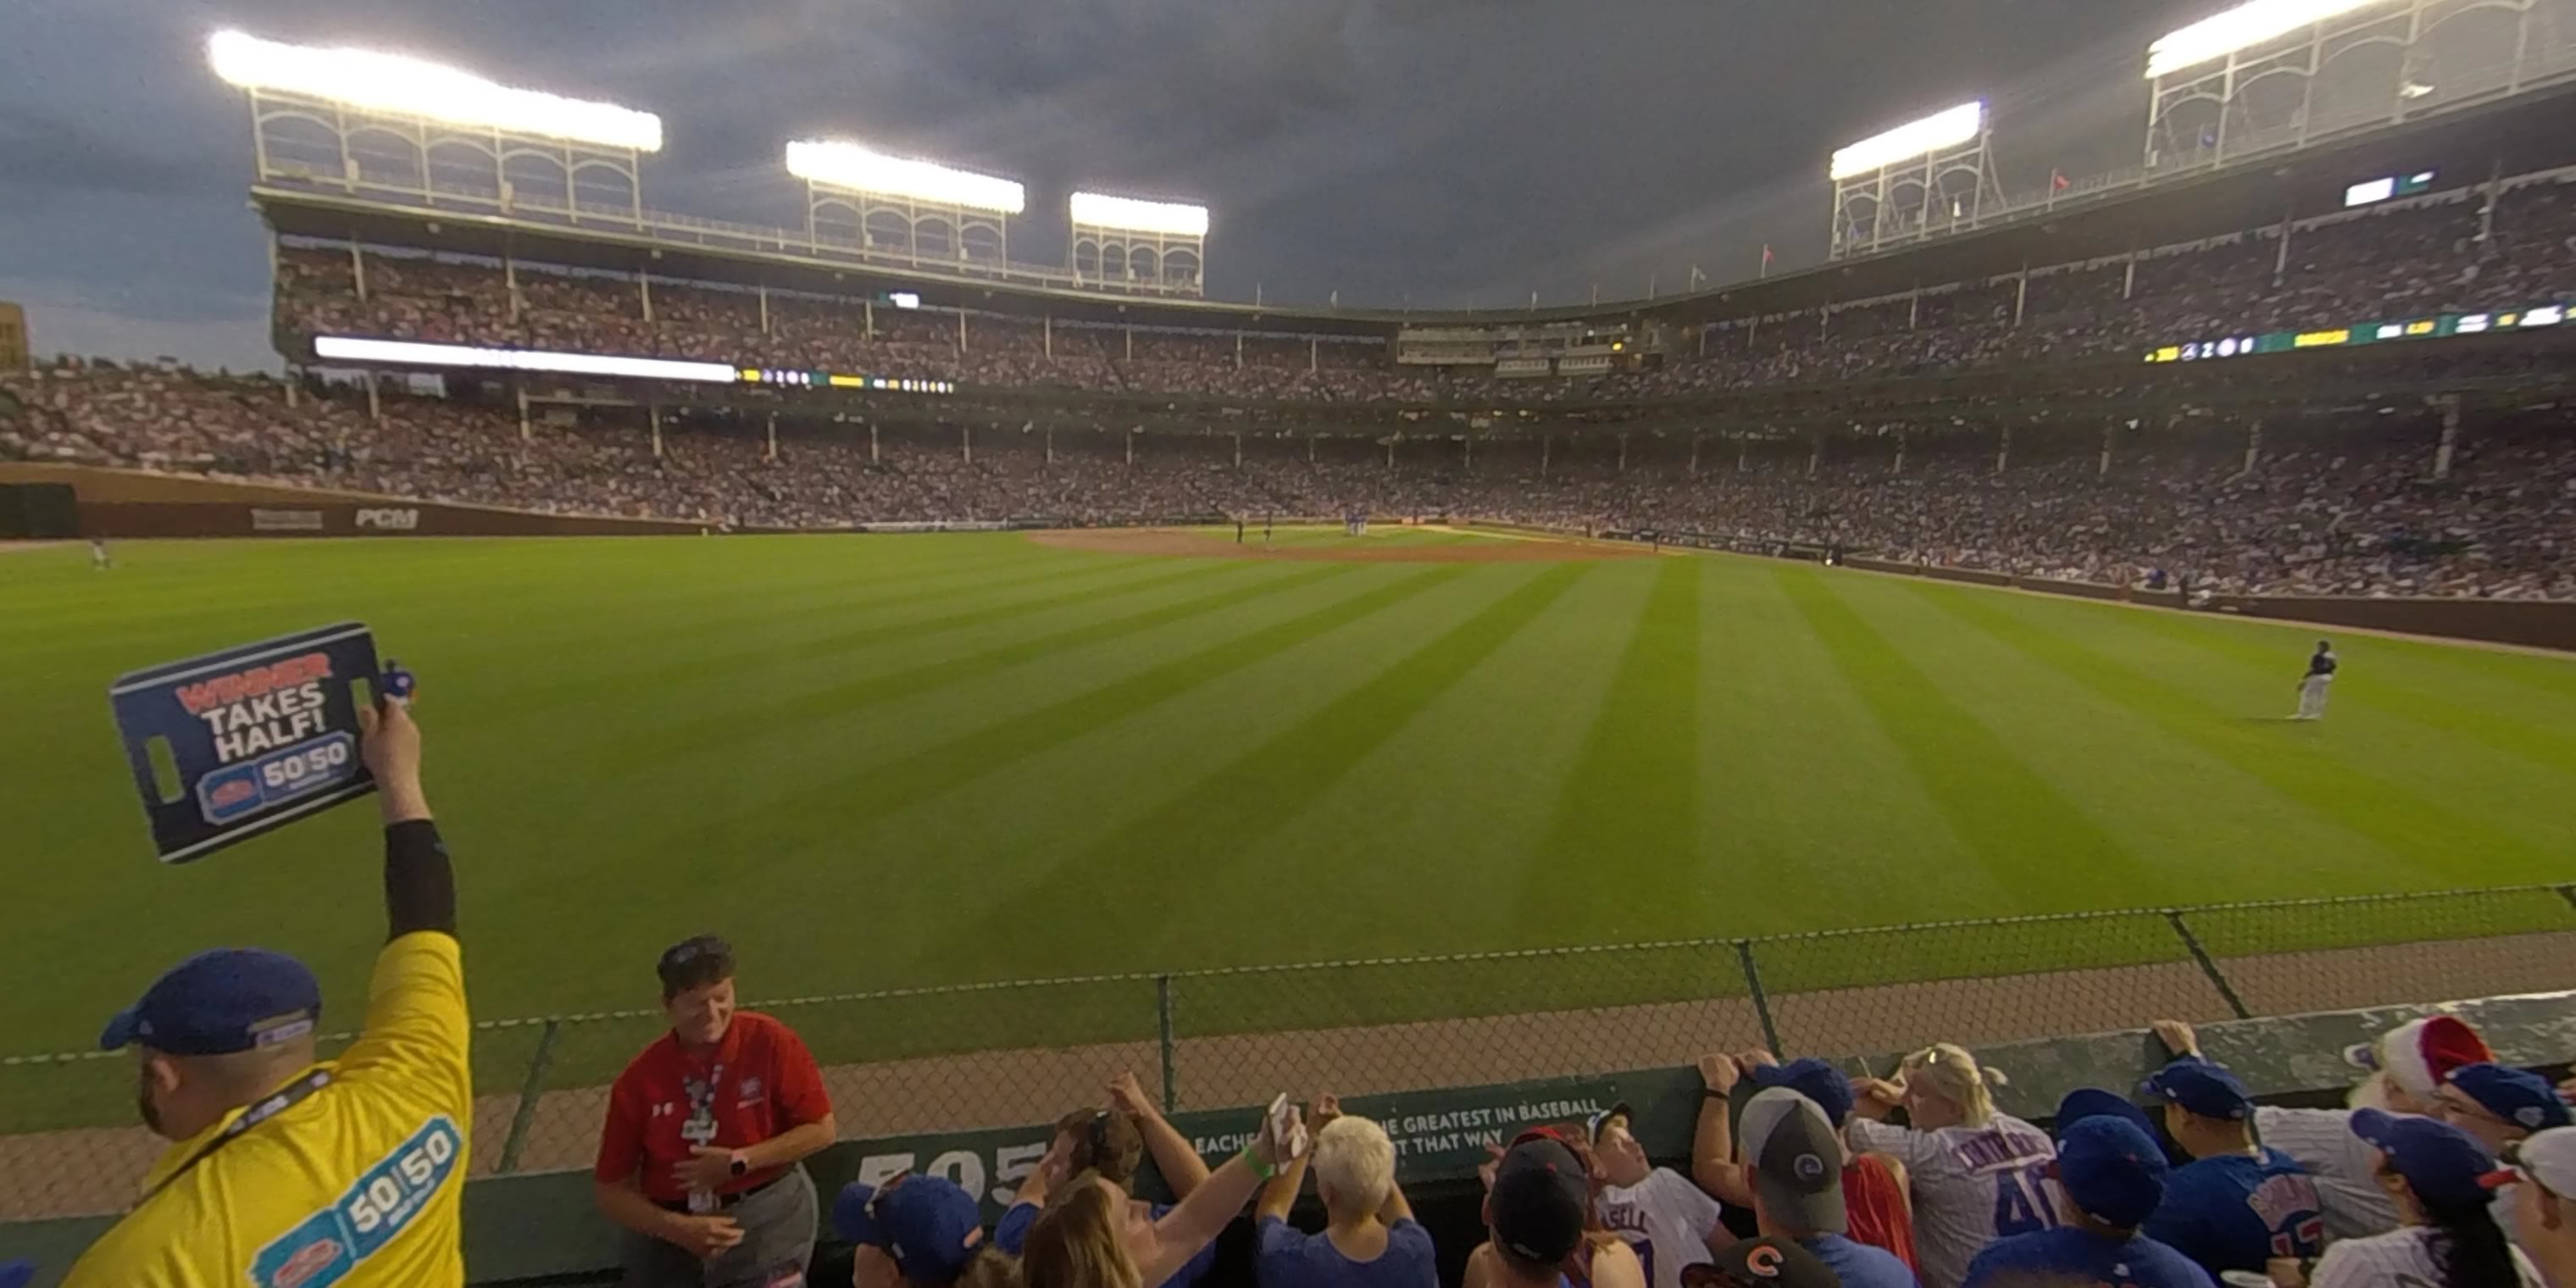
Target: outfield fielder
x,y
2313,686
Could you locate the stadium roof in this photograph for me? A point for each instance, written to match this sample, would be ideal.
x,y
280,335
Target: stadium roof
x,y
2521,134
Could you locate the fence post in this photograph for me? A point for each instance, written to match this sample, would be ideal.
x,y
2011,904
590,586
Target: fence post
x,y
2199,954
529,1092
1163,1016
1761,999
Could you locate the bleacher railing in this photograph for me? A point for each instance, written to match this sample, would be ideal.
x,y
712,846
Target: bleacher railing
x,y
961,1058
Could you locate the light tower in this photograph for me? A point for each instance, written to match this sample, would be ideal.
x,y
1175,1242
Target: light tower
x,y
1123,244
911,210
1923,178
2278,74
362,122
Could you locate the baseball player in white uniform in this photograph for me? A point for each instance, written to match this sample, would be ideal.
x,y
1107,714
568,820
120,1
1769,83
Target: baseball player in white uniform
x,y
2313,685
1978,1175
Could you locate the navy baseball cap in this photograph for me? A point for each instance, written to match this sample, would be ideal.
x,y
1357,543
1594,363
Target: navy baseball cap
x,y
17,1274
926,1223
1817,1080
2517,1096
1539,1199
219,1002
2442,1164
2111,1169
2094,1102
2205,1089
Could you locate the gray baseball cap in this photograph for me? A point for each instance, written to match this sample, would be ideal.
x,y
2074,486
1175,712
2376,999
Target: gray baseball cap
x,y
1797,1161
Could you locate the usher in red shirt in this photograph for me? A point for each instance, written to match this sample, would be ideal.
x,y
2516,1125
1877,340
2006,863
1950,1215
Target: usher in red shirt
x,y
770,1087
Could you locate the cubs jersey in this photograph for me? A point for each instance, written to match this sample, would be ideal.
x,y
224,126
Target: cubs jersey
x,y
2239,1211
2399,1257
1972,1186
1665,1220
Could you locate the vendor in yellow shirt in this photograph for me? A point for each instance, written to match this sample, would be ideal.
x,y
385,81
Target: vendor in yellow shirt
x,y
286,1171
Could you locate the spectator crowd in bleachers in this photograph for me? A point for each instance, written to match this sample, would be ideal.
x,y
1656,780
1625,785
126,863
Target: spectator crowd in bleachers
x,y
2441,1172
2444,253
2332,505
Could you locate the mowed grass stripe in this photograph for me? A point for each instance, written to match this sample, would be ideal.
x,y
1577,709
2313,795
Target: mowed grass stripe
x,y
1803,788
2017,824
758,717
2429,834
214,578
1628,813
1192,841
759,658
923,773
2383,689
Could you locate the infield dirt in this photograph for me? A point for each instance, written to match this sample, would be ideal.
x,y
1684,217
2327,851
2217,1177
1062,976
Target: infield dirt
x,y
1165,541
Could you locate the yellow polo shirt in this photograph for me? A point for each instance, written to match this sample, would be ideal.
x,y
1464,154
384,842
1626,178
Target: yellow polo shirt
x,y
356,1185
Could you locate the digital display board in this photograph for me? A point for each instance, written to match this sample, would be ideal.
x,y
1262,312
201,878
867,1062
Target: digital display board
x,y
2418,328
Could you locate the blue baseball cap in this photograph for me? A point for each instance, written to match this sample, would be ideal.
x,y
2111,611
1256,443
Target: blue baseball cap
x,y
2206,1089
928,1224
2111,1169
2094,1102
2442,1164
219,1002
17,1274
1817,1080
2517,1096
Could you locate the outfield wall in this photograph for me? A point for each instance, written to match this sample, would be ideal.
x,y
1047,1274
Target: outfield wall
x,y
1452,1051
138,504
120,503
2535,623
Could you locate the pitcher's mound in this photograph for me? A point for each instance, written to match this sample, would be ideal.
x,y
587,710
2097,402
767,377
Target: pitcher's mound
x,y
1169,541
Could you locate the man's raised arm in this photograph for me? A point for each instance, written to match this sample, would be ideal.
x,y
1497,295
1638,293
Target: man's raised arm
x,y
420,884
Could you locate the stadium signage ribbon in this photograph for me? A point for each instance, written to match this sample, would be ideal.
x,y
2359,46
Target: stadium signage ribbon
x,y
231,744
1438,1135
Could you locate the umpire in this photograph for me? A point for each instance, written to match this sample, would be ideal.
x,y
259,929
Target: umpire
x,y
288,1169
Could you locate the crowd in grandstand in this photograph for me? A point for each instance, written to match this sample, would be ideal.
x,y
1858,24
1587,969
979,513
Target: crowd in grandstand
x,y
2445,253
2338,506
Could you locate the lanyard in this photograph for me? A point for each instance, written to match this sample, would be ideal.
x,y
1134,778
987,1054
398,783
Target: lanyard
x,y
278,1102
700,1129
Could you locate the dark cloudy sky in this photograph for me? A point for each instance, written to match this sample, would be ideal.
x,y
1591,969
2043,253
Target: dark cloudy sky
x,y
1445,152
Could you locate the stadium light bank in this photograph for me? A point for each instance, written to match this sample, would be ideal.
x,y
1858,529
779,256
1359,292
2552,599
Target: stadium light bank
x,y
850,166
1940,130
1126,214
2239,28
392,83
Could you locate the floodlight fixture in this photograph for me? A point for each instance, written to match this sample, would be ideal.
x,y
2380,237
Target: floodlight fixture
x,y
1126,214
848,165
1913,139
409,86
2245,25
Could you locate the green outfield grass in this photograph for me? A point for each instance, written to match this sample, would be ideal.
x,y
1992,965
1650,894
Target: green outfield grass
x,y
880,762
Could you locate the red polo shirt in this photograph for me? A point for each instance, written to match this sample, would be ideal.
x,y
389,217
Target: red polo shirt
x,y
768,1087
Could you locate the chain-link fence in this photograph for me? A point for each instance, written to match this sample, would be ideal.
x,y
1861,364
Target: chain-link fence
x,y
919,1061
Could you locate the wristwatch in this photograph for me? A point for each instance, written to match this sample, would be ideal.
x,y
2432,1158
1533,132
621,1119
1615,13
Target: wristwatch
x,y
740,1164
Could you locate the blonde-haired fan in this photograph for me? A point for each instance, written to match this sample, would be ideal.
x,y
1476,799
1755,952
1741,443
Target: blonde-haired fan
x,y
1369,1240
1091,1236
1978,1174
